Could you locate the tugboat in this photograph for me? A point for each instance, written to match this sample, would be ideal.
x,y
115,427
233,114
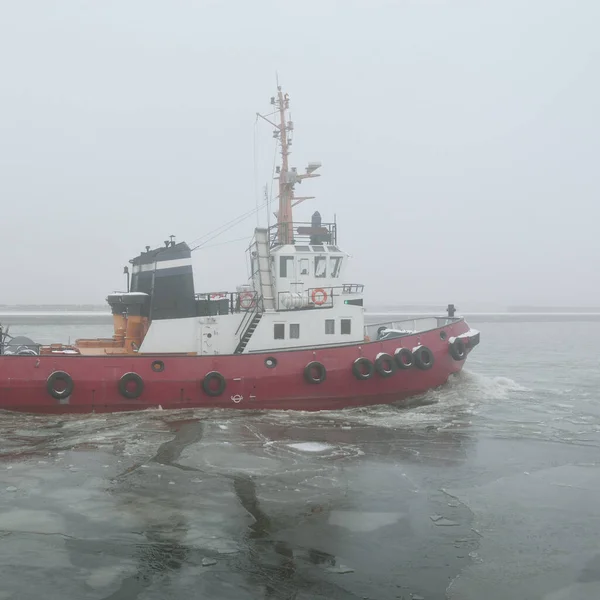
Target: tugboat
x,y
293,337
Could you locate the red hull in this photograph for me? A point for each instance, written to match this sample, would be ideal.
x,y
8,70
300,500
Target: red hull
x,y
23,379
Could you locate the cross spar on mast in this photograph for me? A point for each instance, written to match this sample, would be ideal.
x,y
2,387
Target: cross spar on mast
x,y
287,178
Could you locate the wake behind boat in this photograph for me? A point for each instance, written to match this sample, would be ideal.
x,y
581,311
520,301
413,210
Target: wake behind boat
x,y
292,337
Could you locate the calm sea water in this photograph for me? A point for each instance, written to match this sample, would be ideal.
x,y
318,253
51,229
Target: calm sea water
x,y
488,488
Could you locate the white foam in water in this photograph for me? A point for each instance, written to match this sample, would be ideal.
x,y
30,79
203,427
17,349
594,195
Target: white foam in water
x,y
494,388
310,446
449,405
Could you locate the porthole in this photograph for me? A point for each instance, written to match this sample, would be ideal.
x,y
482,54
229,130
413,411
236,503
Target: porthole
x,y
443,335
270,362
158,366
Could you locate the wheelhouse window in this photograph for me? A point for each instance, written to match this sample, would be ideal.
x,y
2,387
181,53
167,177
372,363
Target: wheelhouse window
x,y
336,265
279,331
320,266
286,266
294,331
304,266
346,326
329,326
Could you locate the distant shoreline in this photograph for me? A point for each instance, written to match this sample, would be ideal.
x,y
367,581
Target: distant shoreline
x,y
382,309
10,308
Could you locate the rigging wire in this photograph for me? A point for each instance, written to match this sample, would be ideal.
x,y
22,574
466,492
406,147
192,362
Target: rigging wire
x,y
270,199
201,241
255,158
223,227
246,237
226,227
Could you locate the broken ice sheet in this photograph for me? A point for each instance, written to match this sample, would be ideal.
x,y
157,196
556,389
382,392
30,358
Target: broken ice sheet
x,y
208,562
442,521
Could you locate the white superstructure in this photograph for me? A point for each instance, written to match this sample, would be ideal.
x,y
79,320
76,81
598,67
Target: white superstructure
x,y
298,293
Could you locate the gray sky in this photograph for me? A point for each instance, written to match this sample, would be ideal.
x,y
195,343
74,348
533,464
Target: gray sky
x,y
459,140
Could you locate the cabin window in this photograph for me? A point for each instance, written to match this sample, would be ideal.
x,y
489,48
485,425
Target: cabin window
x,y
279,331
329,326
294,331
304,266
319,248
286,266
336,265
320,266
346,327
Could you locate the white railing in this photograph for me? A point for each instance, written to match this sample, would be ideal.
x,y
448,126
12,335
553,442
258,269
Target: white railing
x,y
409,326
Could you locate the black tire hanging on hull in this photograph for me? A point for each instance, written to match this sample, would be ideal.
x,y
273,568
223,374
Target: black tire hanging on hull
x,y
207,381
458,350
385,364
423,358
309,372
53,379
126,391
363,369
404,358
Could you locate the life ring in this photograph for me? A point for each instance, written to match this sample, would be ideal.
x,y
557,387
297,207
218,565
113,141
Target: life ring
x,y
209,378
67,387
363,368
385,364
423,357
323,296
315,372
124,386
246,300
404,358
458,350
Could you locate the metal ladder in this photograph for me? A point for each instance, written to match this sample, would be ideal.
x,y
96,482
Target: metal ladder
x,y
254,321
263,278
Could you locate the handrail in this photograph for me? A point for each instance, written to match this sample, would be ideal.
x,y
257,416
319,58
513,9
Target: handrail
x,y
249,316
304,232
233,298
413,319
404,324
331,291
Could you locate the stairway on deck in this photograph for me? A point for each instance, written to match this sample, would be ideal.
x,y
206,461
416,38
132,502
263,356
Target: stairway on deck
x,y
265,277
248,333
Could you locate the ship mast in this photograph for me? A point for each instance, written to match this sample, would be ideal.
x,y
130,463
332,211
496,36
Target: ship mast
x,y
288,178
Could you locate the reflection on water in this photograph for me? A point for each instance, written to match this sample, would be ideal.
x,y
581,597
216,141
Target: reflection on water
x,y
271,499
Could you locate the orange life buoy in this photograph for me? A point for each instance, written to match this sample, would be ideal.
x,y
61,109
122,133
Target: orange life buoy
x,y
247,300
322,299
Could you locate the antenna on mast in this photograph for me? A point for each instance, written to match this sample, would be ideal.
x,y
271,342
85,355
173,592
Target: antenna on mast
x,y
288,177
268,204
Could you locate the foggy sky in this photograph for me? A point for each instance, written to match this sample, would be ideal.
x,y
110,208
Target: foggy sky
x,y
459,140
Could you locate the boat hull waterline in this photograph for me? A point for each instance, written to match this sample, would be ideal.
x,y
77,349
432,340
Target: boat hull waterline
x,y
266,380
